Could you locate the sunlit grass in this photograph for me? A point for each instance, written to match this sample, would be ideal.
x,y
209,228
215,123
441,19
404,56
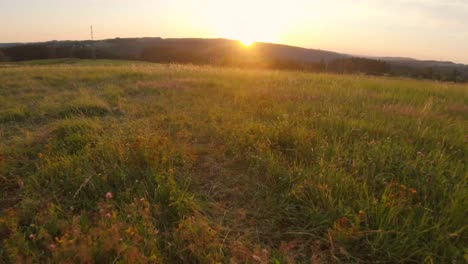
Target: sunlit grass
x,y
179,164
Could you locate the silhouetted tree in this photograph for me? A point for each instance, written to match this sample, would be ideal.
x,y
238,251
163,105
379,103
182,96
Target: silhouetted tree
x,y
454,76
3,57
359,65
429,73
322,65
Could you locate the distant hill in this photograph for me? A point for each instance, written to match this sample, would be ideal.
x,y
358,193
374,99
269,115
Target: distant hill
x,y
138,48
420,63
231,53
5,45
211,49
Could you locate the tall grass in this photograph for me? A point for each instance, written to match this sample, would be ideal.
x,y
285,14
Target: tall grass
x,y
169,163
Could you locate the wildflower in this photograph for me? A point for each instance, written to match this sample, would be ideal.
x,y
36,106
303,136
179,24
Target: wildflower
x,y
109,195
257,258
362,213
32,236
375,201
412,191
52,246
40,155
403,187
108,215
130,231
343,221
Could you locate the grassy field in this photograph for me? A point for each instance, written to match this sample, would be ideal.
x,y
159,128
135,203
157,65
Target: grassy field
x,y
143,163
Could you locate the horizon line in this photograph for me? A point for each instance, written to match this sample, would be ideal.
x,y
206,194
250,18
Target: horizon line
x,y
379,57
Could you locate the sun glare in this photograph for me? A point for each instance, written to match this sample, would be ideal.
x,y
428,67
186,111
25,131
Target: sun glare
x,y
246,42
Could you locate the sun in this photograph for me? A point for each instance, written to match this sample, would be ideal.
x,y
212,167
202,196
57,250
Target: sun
x,y
246,42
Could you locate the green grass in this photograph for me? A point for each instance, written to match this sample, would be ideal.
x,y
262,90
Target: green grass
x,y
216,165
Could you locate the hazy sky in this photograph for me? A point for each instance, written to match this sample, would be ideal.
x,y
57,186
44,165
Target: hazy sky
x,y
425,29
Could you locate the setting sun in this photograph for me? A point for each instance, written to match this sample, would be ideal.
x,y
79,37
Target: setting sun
x,y
246,42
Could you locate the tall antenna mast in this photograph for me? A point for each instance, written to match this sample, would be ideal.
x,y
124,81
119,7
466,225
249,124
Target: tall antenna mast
x,y
93,51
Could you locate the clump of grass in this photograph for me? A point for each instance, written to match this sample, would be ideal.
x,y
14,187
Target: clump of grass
x,y
72,135
85,108
85,104
197,241
14,114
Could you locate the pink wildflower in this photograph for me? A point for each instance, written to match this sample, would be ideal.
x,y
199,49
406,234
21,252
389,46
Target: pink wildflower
x,y
109,195
257,258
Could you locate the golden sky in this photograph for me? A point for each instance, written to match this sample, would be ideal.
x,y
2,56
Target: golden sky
x,y
424,29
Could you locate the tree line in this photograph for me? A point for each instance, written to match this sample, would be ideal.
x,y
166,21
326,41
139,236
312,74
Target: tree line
x,y
226,56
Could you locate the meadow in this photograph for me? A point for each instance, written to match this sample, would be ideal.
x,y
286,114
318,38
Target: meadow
x,y
127,162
